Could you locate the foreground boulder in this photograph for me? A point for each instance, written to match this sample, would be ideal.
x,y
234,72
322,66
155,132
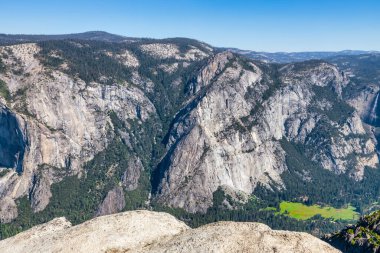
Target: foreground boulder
x,y
145,231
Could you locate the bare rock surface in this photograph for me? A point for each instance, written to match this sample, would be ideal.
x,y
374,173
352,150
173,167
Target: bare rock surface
x,y
129,230
114,202
241,237
145,231
131,175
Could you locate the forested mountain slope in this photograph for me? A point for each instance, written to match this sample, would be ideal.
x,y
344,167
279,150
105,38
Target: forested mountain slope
x,y
95,127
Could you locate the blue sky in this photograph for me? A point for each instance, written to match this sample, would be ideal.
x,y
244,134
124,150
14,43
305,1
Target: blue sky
x,y
260,25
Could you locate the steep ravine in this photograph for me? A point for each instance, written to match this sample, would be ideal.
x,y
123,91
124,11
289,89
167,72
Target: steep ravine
x,y
13,141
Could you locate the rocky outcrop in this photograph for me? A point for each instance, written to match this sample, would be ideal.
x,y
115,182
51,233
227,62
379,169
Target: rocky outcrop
x,y
209,148
132,174
242,237
361,237
144,231
168,50
114,202
8,209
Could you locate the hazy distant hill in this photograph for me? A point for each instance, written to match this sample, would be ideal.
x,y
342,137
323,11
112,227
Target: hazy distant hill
x,y
283,57
92,35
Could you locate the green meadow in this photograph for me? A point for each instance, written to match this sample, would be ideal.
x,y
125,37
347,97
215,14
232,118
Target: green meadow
x,y
303,212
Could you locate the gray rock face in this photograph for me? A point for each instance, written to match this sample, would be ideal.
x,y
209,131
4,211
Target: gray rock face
x,y
208,148
131,175
114,202
8,209
232,135
41,194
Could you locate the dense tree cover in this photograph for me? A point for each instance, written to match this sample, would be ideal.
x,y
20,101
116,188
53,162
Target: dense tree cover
x,y
2,66
87,60
170,89
256,210
324,187
12,39
4,91
306,65
339,112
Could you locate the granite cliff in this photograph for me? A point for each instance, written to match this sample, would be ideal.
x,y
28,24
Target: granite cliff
x,y
98,127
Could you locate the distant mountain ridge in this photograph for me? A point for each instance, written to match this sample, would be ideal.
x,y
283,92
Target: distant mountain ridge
x,y
287,57
275,57
91,35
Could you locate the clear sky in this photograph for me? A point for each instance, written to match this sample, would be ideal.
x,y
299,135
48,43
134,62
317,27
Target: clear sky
x,y
260,25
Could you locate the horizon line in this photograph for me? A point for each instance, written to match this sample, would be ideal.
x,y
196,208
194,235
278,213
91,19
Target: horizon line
x,y
202,41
